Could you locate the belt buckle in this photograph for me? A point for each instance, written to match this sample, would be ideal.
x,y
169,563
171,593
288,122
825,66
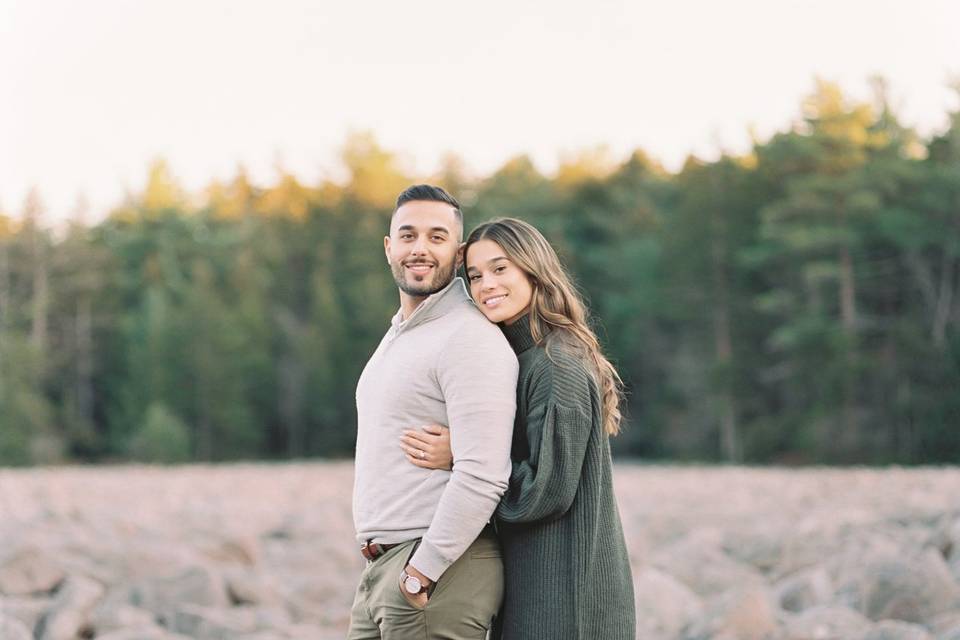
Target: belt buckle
x,y
370,550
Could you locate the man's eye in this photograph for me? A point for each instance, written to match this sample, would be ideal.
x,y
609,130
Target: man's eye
x,y
438,238
406,236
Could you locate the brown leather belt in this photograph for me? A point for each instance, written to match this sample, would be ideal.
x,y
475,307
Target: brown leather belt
x,y
373,550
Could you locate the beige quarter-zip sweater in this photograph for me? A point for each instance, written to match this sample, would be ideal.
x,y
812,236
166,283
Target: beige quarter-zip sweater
x,y
445,364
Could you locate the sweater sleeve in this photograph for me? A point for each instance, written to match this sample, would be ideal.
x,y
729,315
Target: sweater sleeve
x,y
478,376
558,427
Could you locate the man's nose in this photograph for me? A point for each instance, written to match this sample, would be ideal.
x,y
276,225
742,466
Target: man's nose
x,y
419,247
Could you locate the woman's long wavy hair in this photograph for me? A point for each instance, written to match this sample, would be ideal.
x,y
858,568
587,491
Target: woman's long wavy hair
x,y
557,312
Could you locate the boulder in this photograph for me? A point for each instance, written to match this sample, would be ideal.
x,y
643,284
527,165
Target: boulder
x,y
69,616
205,623
896,630
241,550
29,611
748,614
245,587
142,633
829,622
804,590
235,622
13,629
305,631
29,571
309,599
162,596
946,536
946,626
761,548
111,615
664,604
901,588
704,568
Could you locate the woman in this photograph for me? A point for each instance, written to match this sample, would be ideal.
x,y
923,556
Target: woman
x,y
567,571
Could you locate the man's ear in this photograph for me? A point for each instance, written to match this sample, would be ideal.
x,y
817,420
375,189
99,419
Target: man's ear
x,y
463,245
386,247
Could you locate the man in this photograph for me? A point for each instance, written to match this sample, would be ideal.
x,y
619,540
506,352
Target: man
x,y
434,567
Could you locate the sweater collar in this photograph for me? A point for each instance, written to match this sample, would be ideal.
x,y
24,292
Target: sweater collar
x,y
434,306
518,334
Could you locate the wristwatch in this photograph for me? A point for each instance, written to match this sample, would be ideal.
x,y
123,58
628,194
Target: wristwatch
x,y
411,583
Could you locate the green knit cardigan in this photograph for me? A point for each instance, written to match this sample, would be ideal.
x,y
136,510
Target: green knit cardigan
x,y
567,571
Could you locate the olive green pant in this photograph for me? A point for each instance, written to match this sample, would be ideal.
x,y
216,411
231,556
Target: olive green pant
x,y
462,604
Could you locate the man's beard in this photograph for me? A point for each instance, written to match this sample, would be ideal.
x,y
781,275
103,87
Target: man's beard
x,y
441,278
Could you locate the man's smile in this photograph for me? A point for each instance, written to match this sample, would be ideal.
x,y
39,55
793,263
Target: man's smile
x,y
419,268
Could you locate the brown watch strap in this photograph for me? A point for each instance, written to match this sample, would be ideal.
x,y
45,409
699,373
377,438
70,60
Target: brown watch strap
x,y
403,580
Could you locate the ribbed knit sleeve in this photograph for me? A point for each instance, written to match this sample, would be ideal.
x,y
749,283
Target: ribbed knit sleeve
x,y
558,425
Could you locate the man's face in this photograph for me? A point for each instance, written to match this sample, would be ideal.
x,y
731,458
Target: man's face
x,y
423,248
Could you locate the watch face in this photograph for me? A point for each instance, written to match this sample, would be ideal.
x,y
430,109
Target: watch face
x,y
412,585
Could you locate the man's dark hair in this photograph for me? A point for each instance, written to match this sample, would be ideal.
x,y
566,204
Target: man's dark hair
x,y
426,192
430,193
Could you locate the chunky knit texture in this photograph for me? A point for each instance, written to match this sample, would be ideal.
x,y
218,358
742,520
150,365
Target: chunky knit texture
x,y
567,568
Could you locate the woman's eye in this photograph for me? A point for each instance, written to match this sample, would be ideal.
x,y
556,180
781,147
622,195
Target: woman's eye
x,y
473,277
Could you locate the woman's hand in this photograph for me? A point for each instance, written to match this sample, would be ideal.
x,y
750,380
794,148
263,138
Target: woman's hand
x,y
429,447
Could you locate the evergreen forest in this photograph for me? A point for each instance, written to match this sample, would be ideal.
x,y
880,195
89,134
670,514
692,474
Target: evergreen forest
x,y
798,303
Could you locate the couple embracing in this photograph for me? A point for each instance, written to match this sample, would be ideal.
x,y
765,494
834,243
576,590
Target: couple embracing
x,y
483,496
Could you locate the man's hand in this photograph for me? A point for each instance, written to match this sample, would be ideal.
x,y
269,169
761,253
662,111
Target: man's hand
x,y
419,600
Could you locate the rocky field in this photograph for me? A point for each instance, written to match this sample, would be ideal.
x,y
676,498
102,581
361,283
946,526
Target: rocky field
x,y
265,552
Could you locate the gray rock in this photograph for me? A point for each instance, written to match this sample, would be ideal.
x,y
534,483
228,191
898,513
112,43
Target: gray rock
x,y
664,604
704,568
232,550
69,616
29,611
309,599
13,629
244,587
311,632
748,614
29,571
761,549
946,536
896,630
825,623
901,588
804,590
164,595
954,565
142,633
112,616
946,626
859,550
212,624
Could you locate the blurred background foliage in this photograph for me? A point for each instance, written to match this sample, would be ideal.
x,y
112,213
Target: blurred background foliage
x,y
797,304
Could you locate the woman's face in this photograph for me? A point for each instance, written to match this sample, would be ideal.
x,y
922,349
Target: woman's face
x,y
501,289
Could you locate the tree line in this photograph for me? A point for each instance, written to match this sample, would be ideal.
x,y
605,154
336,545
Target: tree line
x,y
798,303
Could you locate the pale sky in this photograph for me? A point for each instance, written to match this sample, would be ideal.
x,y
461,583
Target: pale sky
x,y
93,90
